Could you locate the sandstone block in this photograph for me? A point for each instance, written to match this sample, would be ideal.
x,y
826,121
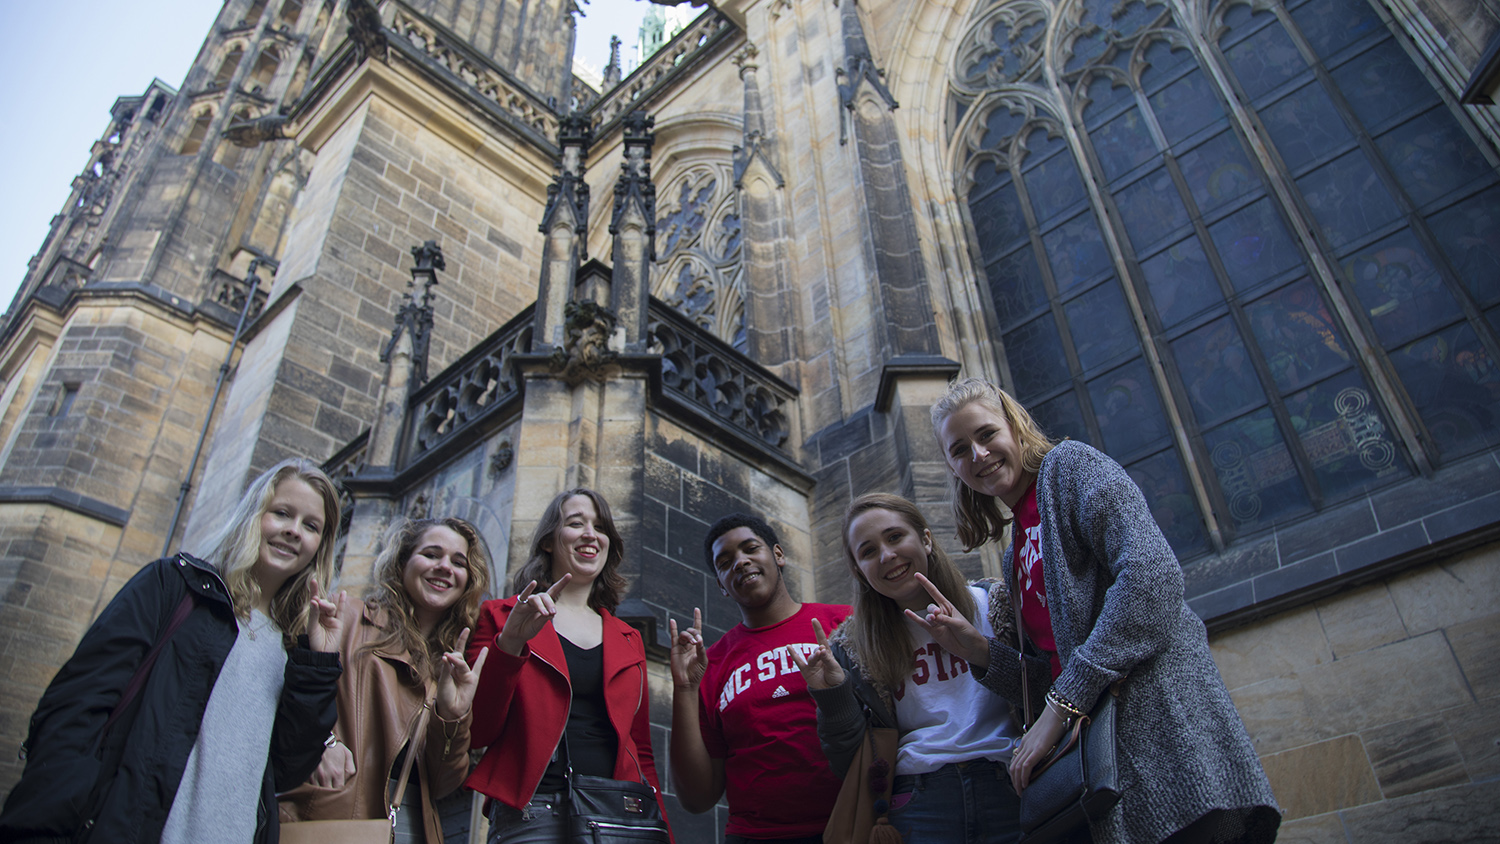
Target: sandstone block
x,y
1321,777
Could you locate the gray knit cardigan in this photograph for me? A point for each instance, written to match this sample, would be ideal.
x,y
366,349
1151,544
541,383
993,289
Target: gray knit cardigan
x,y
1114,590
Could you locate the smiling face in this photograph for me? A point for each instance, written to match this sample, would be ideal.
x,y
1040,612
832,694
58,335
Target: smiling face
x,y
579,546
982,451
435,574
290,532
890,553
748,571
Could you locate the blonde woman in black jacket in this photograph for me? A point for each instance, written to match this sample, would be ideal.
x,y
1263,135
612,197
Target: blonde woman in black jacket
x,y
235,707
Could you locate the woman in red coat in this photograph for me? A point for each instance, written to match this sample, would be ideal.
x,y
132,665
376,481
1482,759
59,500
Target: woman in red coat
x,y
565,687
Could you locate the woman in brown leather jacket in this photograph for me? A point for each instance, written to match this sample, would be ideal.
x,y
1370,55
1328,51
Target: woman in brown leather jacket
x,y
406,649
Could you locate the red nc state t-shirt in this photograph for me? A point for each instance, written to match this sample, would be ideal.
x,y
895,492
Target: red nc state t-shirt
x,y
1030,582
755,713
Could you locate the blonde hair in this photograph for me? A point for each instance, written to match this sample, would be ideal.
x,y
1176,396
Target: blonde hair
x,y
389,593
977,515
235,550
879,630
609,586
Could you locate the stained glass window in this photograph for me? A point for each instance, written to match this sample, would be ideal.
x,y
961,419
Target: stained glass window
x,y
698,269
1251,298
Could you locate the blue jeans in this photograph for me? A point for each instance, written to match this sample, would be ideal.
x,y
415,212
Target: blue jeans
x,y
543,821
959,803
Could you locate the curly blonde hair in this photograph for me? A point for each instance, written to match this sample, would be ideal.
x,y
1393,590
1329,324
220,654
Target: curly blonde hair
x,y
389,593
977,515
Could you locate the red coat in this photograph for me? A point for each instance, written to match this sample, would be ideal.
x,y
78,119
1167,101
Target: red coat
x,y
521,706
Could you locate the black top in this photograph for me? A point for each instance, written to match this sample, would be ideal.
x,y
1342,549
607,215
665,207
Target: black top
x,y
589,740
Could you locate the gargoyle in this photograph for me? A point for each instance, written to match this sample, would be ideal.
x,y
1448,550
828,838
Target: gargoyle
x,y
365,30
252,133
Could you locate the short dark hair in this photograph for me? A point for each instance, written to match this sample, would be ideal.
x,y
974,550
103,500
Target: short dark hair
x,y
756,524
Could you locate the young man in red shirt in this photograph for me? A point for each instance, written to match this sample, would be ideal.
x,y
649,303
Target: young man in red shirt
x,y
743,723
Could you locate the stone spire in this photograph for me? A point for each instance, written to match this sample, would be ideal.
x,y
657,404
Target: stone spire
x,y
565,223
405,356
634,227
612,73
910,328
759,142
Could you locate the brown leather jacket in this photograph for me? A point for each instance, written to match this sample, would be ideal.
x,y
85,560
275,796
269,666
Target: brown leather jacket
x,y
379,696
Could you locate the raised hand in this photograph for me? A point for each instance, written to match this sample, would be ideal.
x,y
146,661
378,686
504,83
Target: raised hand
x,y
325,623
950,629
531,614
821,670
335,768
689,658
457,681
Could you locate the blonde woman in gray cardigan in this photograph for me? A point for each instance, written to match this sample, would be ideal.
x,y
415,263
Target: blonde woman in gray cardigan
x,y
1102,599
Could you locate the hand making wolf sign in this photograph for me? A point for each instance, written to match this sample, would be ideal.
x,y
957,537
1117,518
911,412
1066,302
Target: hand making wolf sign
x,y
821,670
689,658
531,614
950,629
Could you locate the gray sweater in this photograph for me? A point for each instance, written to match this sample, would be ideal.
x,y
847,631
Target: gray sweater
x,y
1114,589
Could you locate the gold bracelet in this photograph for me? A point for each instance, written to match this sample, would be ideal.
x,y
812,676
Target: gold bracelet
x,y
1063,704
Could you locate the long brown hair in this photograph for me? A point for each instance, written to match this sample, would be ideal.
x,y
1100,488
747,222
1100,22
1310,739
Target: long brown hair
x,y
879,626
977,515
389,593
235,549
609,586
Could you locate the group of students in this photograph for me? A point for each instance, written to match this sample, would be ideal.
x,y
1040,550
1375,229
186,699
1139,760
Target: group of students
x,y
199,669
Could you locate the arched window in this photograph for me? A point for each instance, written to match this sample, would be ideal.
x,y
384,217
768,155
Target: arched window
x,y
1159,294
698,269
257,9
197,132
265,69
230,64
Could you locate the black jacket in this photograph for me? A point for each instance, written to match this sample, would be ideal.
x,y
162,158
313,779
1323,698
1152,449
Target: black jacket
x,y
79,785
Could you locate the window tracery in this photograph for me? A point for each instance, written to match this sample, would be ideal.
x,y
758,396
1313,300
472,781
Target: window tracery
x,y
1159,297
698,270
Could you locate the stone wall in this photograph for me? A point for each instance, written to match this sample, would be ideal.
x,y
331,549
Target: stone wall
x,y
1376,711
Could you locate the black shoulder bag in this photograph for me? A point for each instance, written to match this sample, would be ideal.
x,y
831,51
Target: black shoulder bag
x,y
1079,781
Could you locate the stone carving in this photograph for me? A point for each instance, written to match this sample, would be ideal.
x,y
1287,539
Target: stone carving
x,y
658,72
699,369
568,188
700,272
415,313
509,96
635,190
585,354
463,395
366,32
252,133
504,454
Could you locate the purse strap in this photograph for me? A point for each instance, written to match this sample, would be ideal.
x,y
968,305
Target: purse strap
x,y
418,724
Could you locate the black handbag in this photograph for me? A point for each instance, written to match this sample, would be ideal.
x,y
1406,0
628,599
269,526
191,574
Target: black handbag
x,y
609,811
1080,780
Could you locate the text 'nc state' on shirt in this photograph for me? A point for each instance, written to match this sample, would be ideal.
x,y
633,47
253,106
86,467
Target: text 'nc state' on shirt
x,y
767,666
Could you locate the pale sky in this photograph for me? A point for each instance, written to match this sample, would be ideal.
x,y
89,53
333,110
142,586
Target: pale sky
x,y
66,63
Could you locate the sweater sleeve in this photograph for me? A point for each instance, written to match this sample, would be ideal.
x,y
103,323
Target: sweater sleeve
x,y
305,714
1003,675
841,718
52,798
1104,516
497,684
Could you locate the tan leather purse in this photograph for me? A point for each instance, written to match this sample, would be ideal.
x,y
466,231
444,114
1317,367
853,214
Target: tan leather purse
x,y
371,831
866,788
